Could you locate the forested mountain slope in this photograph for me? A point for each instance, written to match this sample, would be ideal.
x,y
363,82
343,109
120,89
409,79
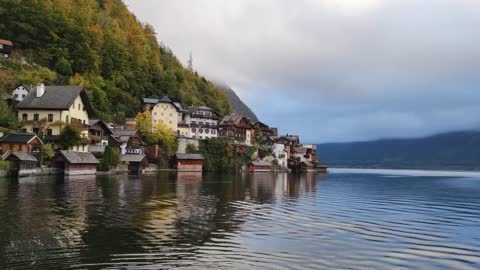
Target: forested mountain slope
x,y
236,103
99,44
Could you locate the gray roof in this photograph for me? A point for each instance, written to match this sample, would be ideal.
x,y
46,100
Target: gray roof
x,y
18,138
74,157
233,119
190,156
150,100
55,98
21,156
165,99
132,158
260,163
124,132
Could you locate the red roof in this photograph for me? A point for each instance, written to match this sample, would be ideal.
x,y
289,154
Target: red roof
x,y
6,42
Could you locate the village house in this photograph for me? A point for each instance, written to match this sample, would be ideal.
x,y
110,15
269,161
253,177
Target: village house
x,y
164,111
6,47
280,154
47,109
21,142
201,123
265,130
76,163
20,92
99,134
237,127
189,162
128,141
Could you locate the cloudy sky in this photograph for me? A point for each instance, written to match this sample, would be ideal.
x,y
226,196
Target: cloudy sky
x,y
335,70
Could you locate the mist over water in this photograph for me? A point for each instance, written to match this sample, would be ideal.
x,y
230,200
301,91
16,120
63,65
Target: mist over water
x,y
344,220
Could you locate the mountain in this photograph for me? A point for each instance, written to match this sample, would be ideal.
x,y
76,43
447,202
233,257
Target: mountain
x,y
236,103
454,150
101,45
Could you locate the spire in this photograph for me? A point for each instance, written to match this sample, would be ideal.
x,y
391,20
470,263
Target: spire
x,y
190,62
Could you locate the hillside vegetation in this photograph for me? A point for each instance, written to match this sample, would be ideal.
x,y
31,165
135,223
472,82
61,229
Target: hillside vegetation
x,y
454,150
101,45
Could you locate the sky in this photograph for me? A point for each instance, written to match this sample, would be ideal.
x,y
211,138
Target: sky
x,y
335,70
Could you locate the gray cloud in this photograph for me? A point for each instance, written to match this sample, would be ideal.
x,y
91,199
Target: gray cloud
x,y
335,70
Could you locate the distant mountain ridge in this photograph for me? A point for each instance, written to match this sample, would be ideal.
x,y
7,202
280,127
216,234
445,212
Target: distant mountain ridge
x,y
454,150
236,103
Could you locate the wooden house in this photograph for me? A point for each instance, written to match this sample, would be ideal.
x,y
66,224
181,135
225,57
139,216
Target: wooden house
x,y
98,134
6,47
21,164
21,142
265,130
76,163
128,141
260,166
238,127
136,163
189,162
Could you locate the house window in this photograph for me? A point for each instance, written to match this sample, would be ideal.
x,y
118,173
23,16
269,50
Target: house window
x,y
24,130
200,130
15,96
194,130
23,96
49,132
50,118
207,131
24,117
35,117
35,130
79,107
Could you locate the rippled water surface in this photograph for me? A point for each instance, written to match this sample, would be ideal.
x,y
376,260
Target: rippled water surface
x,y
339,221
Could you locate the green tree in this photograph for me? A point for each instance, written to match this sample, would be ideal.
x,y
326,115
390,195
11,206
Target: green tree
x,y
191,148
111,158
70,136
8,120
47,152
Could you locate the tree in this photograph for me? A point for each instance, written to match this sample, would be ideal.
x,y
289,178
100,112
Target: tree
x,y
111,157
143,122
8,119
47,152
165,138
257,135
70,136
191,148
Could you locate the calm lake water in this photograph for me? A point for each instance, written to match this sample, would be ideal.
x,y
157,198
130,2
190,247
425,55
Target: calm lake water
x,y
345,220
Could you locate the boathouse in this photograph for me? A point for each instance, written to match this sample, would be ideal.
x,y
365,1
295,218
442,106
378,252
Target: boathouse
x,y
136,163
21,164
260,166
189,162
21,142
76,163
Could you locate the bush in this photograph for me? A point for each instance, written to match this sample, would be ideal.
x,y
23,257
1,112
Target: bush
x,y
191,148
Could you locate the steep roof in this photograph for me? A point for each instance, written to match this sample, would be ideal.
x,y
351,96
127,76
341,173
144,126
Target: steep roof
x,y
164,99
18,138
74,157
58,97
20,156
6,42
189,156
97,122
132,158
150,100
233,119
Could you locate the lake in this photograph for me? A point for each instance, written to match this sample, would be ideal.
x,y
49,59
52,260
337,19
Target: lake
x,y
344,220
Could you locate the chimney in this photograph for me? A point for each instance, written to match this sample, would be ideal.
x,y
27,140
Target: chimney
x,y
40,90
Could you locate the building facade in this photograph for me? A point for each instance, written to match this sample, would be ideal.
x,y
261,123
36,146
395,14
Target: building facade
x,y
201,123
164,111
20,92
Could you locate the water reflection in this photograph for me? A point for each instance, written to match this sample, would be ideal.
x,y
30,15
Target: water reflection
x,y
246,221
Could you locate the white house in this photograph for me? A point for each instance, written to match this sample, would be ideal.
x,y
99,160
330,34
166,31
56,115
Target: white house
x,y
199,123
20,92
281,154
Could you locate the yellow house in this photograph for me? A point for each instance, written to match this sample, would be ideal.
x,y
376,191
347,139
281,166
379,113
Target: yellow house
x,y
166,112
47,109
